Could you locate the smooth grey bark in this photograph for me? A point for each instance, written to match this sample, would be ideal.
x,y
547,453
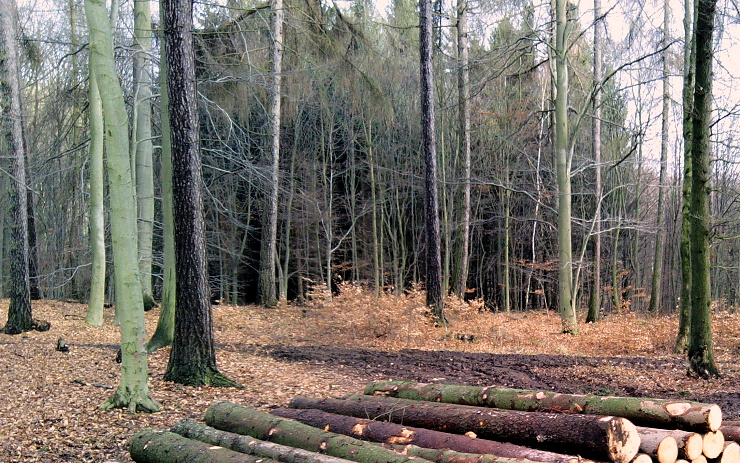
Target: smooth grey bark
x,y
657,277
435,298
701,350
266,291
133,391
11,124
142,148
192,358
566,301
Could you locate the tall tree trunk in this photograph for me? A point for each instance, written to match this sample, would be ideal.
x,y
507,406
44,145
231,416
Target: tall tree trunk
x,y
684,316
133,391
435,299
142,148
701,350
11,124
165,331
266,292
193,357
566,301
463,95
94,316
657,279
594,301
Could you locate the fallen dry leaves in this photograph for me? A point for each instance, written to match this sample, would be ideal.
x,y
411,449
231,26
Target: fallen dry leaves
x,y
49,408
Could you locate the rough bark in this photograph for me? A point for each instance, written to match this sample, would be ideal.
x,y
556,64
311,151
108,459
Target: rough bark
x,y
249,445
597,437
451,456
701,348
150,446
249,422
192,358
659,413
731,431
690,444
435,298
712,444
133,391
11,124
392,434
658,444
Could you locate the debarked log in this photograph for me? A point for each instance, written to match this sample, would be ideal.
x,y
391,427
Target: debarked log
x,y
249,445
394,434
250,422
658,413
151,446
597,437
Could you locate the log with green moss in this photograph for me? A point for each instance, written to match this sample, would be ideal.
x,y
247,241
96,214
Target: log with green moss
x,y
250,422
659,413
392,434
151,446
597,437
249,445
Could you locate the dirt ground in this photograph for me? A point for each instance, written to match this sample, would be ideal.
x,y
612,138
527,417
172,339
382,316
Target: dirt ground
x,y
49,410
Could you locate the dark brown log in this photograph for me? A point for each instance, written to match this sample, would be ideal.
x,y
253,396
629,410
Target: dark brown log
x,y
150,446
658,444
249,445
597,437
712,444
249,422
395,434
731,430
658,413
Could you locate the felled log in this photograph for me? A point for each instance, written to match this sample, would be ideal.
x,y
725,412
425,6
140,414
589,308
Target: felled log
x,y
250,422
690,444
597,437
658,413
393,434
249,445
451,456
658,444
712,444
150,446
730,454
642,458
731,430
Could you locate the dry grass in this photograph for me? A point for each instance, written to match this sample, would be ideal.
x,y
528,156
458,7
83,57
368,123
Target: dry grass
x,y
49,409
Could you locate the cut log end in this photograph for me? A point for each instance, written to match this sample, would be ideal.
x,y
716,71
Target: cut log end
x,y
642,458
667,450
714,418
623,440
713,443
731,453
693,446
699,459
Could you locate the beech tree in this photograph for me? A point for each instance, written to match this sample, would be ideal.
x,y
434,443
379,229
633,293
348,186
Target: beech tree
x,y
133,390
192,358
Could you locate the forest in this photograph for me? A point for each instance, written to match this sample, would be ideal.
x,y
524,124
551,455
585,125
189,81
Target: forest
x,y
538,161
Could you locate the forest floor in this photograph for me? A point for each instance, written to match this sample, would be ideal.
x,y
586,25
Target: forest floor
x,y
49,407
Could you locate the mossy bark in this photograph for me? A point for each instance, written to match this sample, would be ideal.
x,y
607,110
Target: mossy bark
x,y
150,446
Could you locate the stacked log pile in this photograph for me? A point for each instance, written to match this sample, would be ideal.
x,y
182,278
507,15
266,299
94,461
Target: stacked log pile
x,y
402,422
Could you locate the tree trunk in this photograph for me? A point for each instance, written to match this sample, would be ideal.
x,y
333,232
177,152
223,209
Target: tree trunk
x,y
658,444
657,277
435,298
249,422
566,302
684,315
249,445
133,391
392,434
165,331
450,456
19,310
660,413
594,301
94,316
266,291
150,446
192,358
730,454
701,350
142,149
731,430
595,436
